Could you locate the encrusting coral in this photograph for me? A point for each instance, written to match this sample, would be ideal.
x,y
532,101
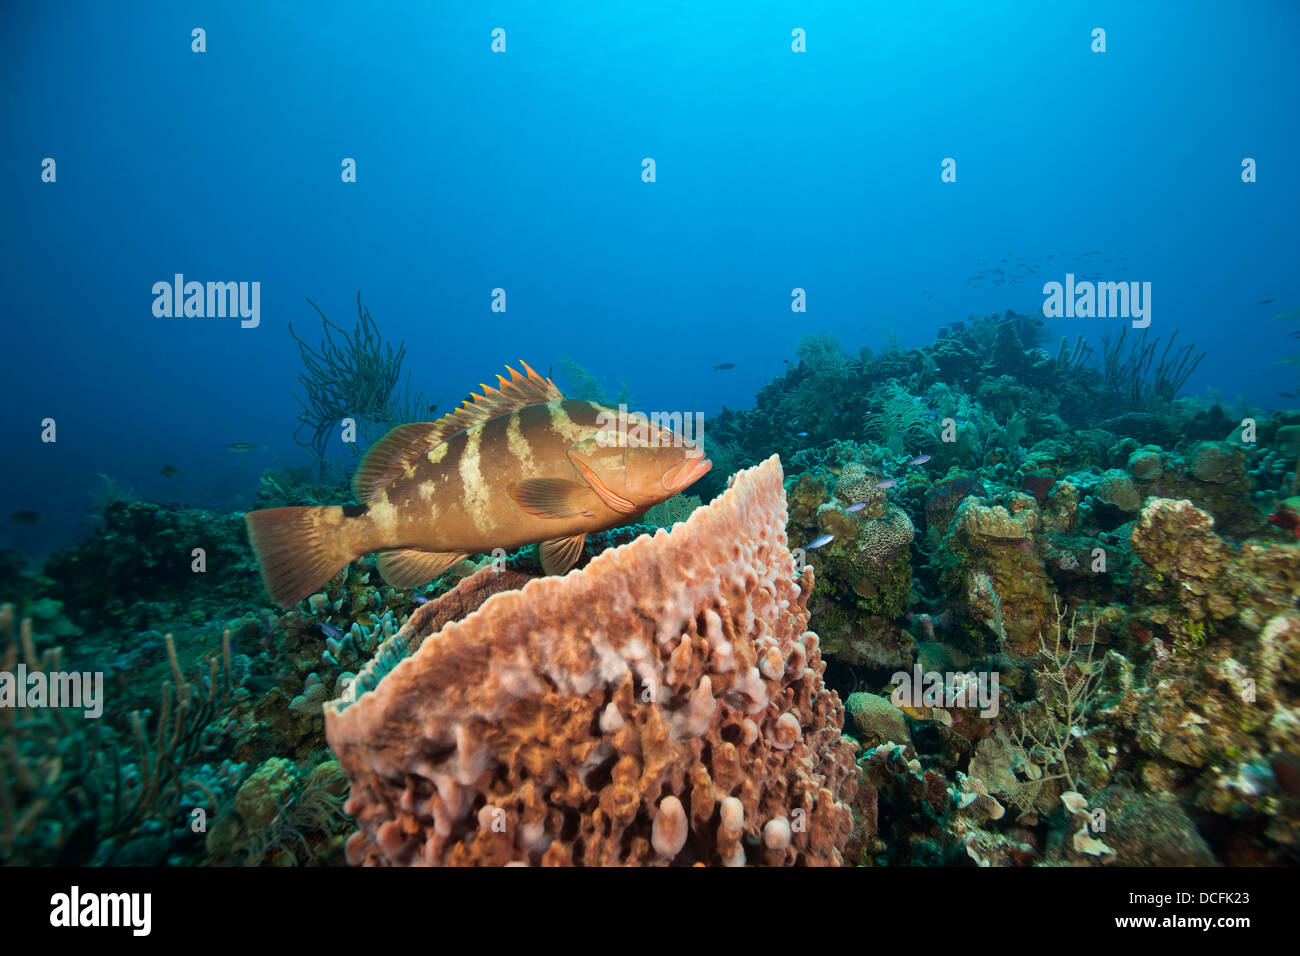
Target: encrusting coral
x,y
663,705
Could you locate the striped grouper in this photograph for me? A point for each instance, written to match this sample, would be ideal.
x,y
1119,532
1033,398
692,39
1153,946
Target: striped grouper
x,y
515,465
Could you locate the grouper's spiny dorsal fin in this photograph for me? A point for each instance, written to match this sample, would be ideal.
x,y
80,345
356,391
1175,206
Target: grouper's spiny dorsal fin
x,y
388,458
519,392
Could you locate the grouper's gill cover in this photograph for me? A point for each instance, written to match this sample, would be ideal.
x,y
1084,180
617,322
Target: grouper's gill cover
x,y
514,465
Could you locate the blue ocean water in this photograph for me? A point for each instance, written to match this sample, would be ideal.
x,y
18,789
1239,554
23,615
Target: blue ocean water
x,y
522,170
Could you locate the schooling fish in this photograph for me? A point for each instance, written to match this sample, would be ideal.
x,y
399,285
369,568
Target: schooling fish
x,y
1266,301
887,483
23,517
243,447
515,465
169,471
724,366
820,542
852,508
919,460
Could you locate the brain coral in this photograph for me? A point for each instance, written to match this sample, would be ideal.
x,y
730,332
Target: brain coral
x,y
887,537
858,484
665,704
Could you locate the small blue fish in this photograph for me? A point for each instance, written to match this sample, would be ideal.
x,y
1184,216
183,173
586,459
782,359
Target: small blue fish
x,y
330,630
852,508
820,542
419,599
801,435
919,460
887,483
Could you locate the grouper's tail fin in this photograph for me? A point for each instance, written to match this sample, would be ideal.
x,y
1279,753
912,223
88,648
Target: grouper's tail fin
x,y
298,549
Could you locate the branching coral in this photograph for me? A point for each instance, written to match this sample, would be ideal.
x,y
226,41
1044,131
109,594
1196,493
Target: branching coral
x,y
186,712
110,492
304,824
354,376
1015,762
1074,364
1129,373
899,419
63,783
1067,677
824,355
581,382
824,371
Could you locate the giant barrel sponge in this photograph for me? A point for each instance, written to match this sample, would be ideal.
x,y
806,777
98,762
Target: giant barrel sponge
x,y
663,705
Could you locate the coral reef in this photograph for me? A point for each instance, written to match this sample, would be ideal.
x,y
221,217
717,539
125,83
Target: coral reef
x,y
1195,577
1124,560
73,790
675,509
276,820
139,569
864,573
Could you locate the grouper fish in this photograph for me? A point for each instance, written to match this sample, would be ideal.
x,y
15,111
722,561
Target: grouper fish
x,y
515,465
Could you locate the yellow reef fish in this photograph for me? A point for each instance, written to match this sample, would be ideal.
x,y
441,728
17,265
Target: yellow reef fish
x,y
515,465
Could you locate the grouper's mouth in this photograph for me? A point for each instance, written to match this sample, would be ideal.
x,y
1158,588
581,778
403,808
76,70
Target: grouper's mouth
x,y
686,473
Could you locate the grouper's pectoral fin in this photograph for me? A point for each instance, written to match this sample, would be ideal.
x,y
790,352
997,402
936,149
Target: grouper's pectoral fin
x,y
560,554
409,568
552,497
